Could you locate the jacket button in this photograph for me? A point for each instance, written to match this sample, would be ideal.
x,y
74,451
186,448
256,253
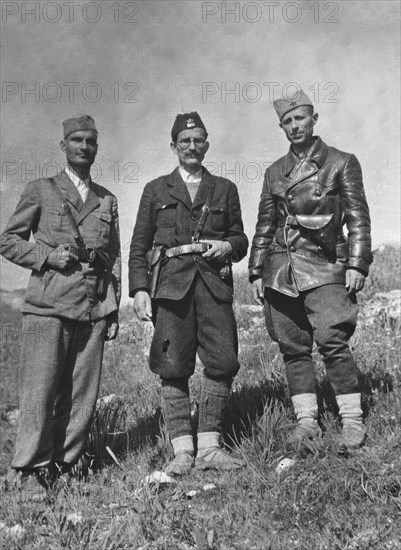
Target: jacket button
x,y
193,218
293,249
290,197
318,192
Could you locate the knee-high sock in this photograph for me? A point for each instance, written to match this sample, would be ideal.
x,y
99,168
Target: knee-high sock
x,y
177,407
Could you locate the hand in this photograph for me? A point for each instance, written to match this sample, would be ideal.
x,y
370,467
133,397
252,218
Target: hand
x,y
257,291
354,280
143,305
219,250
112,327
61,258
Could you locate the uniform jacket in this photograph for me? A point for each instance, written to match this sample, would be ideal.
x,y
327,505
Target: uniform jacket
x,y
299,241
167,216
69,294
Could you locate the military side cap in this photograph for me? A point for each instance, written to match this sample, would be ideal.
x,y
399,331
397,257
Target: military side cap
x,y
285,105
186,121
83,122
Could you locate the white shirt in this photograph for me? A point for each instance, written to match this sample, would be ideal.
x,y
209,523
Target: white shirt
x,y
81,185
190,178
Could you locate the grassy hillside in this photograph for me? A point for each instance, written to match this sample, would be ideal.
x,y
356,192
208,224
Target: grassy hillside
x,y
323,501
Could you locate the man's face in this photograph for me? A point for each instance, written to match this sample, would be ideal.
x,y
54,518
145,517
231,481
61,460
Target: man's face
x,y
191,147
80,148
298,125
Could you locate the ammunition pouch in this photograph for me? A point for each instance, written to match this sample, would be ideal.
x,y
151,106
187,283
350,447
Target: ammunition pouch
x,y
320,230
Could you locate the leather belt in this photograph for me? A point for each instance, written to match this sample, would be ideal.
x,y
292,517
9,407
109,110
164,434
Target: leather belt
x,y
193,248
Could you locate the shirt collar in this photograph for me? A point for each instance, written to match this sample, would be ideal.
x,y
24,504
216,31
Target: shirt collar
x,y
308,154
75,179
190,178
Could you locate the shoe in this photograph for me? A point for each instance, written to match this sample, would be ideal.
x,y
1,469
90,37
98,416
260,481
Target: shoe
x,y
11,481
303,435
217,459
352,437
181,464
33,488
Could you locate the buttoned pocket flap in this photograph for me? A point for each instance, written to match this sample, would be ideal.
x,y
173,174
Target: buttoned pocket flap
x,y
314,222
104,216
216,208
166,213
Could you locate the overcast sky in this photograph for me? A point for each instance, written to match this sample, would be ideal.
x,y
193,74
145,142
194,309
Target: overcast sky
x,y
134,65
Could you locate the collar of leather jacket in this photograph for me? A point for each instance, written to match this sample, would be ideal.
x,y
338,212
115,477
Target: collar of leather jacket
x,y
317,156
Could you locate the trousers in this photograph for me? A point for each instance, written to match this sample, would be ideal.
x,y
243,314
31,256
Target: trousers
x,y
198,323
326,315
60,372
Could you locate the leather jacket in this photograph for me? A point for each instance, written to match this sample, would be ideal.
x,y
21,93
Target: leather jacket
x,y
299,241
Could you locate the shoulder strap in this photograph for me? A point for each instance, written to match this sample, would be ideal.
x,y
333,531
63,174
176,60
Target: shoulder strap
x,y
74,228
204,215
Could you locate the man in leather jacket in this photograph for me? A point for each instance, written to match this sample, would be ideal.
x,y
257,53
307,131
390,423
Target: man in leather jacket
x,y
195,218
307,272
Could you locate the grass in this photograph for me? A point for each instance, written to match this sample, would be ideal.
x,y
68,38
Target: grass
x,y
322,502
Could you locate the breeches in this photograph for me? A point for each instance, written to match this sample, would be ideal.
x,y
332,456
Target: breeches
x,y
199,323
325,314
59,382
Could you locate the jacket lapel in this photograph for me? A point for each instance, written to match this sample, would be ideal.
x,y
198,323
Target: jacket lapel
x,y
178,189
204,187
90,204
307,169
69,190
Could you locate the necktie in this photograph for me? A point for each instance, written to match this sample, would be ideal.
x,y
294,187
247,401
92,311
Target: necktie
x,y
82,190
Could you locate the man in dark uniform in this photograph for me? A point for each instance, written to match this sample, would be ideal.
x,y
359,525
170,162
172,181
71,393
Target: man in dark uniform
x,y
196,218
70,309
307,272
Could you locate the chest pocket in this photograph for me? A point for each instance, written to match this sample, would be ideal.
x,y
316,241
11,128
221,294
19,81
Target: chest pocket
x,y
166,214
218,214
103,221
56,220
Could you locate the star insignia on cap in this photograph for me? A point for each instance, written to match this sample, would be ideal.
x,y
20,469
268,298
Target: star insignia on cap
x,y
293,103
190,123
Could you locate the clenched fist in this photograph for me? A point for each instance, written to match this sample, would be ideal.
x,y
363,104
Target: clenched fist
x,y
61,257
219,250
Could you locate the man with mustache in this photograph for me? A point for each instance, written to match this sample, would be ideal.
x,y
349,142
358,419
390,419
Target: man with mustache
x,y
195,218
307,272
70,308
